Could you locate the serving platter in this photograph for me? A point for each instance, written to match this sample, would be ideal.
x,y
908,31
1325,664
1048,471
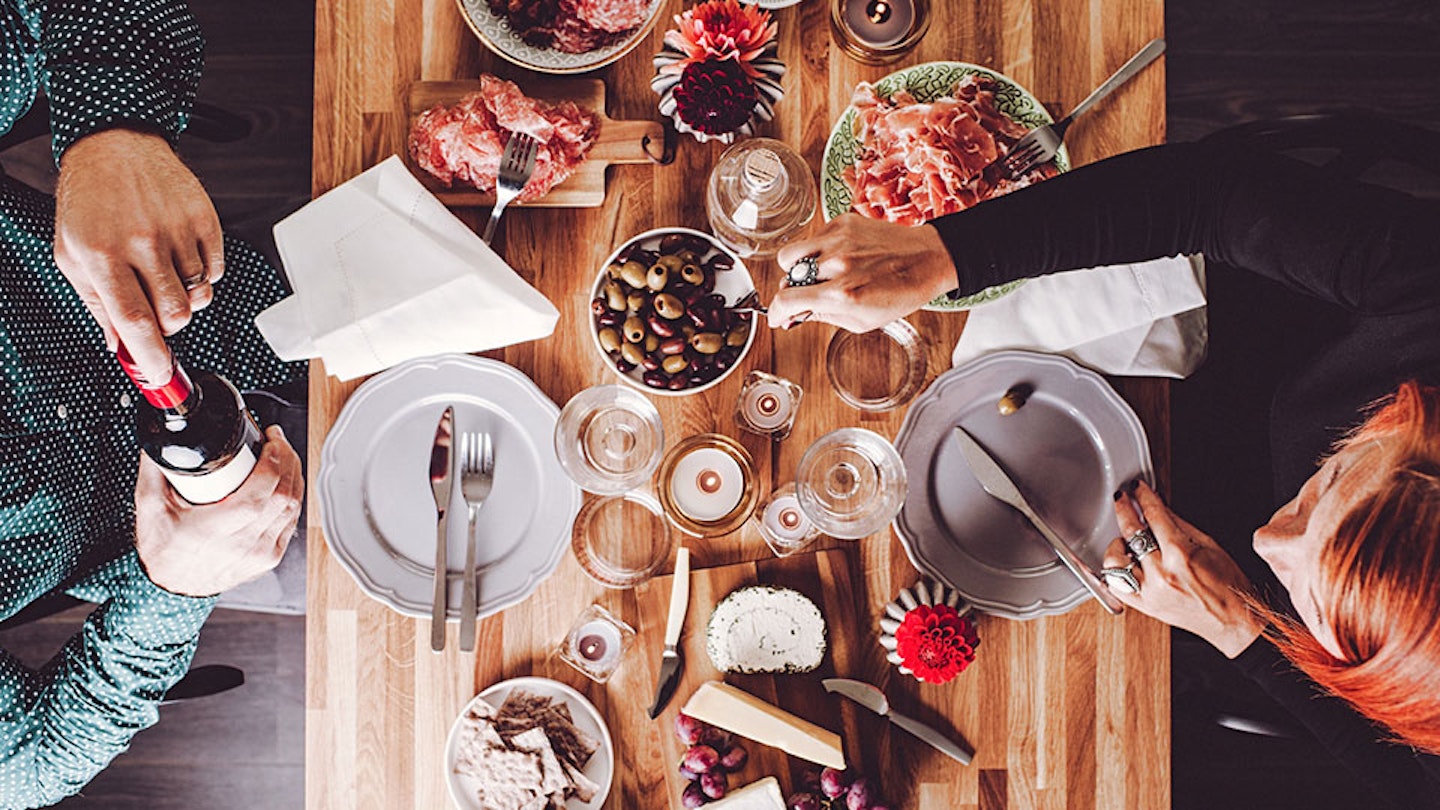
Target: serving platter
x,y
494,32
619,142
926,82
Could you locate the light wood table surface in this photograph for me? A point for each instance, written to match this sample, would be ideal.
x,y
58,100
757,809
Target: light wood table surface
x,y
1066,713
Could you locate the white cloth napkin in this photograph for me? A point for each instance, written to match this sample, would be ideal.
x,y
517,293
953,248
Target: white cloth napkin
x,y
1144,319
384,273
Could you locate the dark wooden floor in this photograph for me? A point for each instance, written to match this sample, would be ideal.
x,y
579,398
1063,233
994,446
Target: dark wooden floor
x,y
1228,61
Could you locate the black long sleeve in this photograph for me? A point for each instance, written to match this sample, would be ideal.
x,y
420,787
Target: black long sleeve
x,y
1368,249
1373,252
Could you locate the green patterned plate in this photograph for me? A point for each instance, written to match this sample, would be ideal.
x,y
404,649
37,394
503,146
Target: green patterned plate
x,y
927,82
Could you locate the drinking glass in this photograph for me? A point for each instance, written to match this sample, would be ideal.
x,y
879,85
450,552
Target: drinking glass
x,y
878,370
608,439
621,540
851,483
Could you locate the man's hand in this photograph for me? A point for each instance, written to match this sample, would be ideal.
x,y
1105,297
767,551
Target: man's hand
x,y
1189,581
138,238
872,272
203,550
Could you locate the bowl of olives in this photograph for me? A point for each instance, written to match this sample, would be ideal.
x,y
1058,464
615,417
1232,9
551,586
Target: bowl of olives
x,y
662,312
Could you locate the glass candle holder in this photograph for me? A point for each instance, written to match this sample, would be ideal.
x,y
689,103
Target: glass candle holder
x,y
595,643
877,32
767,405
851,483
621,540
783,523
707,485
878,370
608,439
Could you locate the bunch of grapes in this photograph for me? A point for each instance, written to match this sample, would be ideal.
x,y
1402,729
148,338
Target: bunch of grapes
x,y
709,761
837,790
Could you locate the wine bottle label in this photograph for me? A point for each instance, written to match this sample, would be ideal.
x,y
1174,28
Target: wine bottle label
x,y
216,484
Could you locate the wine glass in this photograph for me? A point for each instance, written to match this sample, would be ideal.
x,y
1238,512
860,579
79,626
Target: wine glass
x,y
851,483
608,439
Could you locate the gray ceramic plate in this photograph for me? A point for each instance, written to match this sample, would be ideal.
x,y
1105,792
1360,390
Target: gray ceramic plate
x,y
600,769
494,31
1072,444
375,501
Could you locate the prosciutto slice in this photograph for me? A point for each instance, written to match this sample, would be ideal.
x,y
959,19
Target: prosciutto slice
x,y
922,160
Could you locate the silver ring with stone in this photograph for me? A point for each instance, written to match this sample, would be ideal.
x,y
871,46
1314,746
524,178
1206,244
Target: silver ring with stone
x,y
803,273
1121,579
1141,543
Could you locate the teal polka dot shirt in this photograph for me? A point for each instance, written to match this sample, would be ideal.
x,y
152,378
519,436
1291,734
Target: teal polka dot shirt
x,y
68,452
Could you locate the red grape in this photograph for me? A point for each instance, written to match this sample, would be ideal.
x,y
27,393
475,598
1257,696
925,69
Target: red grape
x,y
701,759
688,729
714,784
735,758
693,796
858,797
804,801
834,783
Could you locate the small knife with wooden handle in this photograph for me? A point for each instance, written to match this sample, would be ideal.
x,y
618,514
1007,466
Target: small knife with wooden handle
x,y
671,658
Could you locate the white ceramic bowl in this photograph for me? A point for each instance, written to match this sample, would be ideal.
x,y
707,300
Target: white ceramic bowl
x,y
732,284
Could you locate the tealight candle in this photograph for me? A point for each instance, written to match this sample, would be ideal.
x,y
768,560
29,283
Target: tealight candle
x,y
880,23
784,525
707,484
596,643
767,405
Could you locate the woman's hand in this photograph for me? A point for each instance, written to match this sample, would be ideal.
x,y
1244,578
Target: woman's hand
x,y
138,238
202,550
1189,581
871,272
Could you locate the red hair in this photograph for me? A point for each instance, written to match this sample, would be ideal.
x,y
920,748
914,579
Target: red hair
x,y
1379,582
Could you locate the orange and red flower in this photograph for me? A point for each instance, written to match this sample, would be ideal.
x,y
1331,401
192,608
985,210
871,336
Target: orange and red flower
x,y
936,643
718,30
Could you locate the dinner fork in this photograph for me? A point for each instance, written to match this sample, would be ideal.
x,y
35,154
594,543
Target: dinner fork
x,y
1040,145
517,163
477,476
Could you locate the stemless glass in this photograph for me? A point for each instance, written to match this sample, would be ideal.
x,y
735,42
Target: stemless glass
x,y
879,370
621,540
851,483
608,439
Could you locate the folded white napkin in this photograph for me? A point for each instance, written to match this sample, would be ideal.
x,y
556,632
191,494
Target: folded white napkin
x,y
1144,319
384,273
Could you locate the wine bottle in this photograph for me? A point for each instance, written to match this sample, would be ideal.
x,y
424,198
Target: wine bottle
x,y
195,426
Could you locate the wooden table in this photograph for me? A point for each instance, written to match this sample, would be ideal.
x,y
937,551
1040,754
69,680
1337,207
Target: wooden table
x,y
1066,712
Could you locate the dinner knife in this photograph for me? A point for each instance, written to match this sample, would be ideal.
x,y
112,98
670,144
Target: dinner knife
x,y
671,659
994,480
442,474
873,699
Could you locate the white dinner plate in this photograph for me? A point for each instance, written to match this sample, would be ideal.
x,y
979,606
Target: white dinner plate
x,y
376,504
1068,448
600,769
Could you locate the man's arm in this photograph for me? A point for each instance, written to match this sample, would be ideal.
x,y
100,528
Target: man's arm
x,y
64,723
135,232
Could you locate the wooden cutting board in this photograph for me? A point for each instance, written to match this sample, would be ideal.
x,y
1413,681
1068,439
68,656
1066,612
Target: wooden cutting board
x,y
618,142
827,578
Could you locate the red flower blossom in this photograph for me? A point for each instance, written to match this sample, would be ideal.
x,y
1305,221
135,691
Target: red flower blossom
x,y
936,643
718,30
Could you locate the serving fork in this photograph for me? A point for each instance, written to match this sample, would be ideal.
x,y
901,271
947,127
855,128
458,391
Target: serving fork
x,y
517,163
477,476
1042,144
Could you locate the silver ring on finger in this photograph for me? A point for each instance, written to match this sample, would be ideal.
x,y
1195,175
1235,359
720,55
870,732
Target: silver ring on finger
x,y
1121,579
196,280
803,273
1141,543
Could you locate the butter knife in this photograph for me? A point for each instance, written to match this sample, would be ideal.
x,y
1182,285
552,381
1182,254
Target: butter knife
x,y
671,658
873,699
442,474
994,480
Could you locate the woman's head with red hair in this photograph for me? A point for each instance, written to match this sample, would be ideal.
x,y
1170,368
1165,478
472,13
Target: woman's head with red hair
x,y
1359,551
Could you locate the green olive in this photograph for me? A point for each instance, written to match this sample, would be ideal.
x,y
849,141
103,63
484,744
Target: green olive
x,y
609,339
692,274
634,302
613,271
614,296
634,330
707,342
652,342
658,277
671,262
668,306
633,273
632,353
738,335
687,256
1014,399
675,363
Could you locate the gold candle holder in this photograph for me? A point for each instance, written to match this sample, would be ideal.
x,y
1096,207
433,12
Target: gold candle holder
x,y
878,32
707,486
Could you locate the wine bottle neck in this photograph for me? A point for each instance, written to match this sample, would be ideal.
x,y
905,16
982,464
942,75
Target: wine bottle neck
x,y
171,395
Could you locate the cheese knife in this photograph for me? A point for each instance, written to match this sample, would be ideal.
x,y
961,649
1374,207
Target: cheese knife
x,y
442,474
873,699
671,659
994,480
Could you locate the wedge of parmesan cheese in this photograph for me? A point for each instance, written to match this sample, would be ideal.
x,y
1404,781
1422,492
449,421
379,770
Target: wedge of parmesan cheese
x,y
762,794
739,712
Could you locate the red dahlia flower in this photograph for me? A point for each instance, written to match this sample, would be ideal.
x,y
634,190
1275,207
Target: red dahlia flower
x,y
936,642
719,30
